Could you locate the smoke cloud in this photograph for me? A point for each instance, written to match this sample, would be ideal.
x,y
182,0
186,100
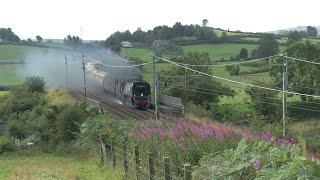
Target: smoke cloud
x,y
51,66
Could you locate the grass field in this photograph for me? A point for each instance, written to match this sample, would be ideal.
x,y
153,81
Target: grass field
x,y
218,32
44,166
218,51
10,74
4,93
8,52
140,53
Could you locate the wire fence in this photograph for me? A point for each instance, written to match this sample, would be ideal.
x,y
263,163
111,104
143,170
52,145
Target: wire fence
x,y
138,163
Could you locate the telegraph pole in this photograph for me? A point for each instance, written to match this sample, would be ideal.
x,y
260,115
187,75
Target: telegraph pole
x,y
155,84
67,78
284,97
84,76
185,78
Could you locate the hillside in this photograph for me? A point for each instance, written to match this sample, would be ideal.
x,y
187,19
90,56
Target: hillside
x,y
298,28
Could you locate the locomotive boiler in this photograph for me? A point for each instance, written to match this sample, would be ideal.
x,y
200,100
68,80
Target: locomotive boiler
x,y
131,90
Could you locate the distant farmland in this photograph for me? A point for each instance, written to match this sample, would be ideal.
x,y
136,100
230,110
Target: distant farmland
x,y
9,52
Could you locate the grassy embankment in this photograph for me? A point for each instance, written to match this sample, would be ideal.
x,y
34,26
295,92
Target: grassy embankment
x,y
50,166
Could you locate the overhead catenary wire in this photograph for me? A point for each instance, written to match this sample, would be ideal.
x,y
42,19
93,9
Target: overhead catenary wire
x,y
229,64
236,82
301,60
118,66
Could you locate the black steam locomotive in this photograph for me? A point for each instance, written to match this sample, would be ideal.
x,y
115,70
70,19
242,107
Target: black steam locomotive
x,y
132,91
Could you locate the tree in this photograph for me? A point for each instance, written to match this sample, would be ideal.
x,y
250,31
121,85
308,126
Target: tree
x,y
139,36
264,103
205,22
293,37
35,84
72,41
268,46
199,89
39,38
29,40
303,77
312,31
233,69
8,35
205,33
223,36
178,29
243,53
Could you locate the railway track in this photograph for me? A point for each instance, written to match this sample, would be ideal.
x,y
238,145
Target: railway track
x,y
121,111
118,111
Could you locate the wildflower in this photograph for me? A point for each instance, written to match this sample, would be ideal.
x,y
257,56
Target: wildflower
x,y
257,164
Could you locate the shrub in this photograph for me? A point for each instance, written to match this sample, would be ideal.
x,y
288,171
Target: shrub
x,y
233,69
260,160
6,144
68,122
35,84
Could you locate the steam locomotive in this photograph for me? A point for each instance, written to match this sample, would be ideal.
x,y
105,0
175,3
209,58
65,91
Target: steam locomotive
x,y
131,91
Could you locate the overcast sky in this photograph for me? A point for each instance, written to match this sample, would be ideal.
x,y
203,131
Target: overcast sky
x,y
100,18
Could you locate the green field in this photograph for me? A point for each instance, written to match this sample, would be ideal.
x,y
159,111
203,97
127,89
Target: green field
x,y
140,53
11,74
46,166
4,93
218,51
218,32
9,52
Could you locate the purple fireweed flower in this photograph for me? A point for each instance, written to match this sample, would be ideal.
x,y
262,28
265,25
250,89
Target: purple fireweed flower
x,y
267,136
257,164
143,136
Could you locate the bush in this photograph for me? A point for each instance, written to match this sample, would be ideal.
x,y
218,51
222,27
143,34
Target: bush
x,y
233,69
35,84
6,144
261,160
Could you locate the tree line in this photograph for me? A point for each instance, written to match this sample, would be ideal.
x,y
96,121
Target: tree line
x,y
162,33
6,34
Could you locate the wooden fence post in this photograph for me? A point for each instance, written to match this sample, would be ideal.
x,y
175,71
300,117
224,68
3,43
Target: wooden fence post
x,y
125,160
167,175
113,154
151,166
137,159
187,172
103,154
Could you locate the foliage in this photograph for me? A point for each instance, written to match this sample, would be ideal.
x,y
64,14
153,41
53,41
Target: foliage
x,y
265,103
161,33
6,144
199,89
102,127
312,31
28,114
39,38
303,77
232,113
35,84
68,122
268,46
188,142
233,69
243,53
260,160
8,35
72,41
294,37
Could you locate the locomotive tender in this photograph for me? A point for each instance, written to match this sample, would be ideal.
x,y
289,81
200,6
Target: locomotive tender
x,y
132,91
